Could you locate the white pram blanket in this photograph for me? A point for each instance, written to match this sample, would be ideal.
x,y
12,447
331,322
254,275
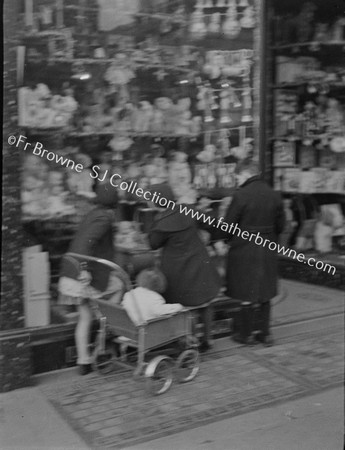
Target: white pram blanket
x,y
142,304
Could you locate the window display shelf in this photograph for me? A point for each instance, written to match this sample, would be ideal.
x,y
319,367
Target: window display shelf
x,y
332,85
307,137
71,133
310,44
138,64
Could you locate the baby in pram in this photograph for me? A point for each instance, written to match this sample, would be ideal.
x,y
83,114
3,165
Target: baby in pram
x,y
145,302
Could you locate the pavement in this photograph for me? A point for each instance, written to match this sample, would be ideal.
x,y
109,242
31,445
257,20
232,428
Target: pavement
x,y
286,397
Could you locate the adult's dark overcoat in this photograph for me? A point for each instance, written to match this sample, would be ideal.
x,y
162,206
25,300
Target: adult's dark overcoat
x,y
251,267
191,276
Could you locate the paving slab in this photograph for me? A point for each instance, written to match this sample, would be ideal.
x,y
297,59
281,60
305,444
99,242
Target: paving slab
x,y
300,301
315,422
29,422
115,411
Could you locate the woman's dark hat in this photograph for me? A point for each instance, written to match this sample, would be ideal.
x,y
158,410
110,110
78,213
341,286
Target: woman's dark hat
x,y
106,195
164,190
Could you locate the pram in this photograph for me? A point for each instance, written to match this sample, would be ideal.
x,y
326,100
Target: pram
x,y
165,347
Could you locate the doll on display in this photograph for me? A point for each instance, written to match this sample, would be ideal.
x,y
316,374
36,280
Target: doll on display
x,y
310,118
119,144
208,154
214,26
126,118
338,32
95,119
183,119
197,27
205,101
248,19
224,104
118,75
180,179
143,117
231,25
34,188
323,233
224,142
81,183
335,117
57,205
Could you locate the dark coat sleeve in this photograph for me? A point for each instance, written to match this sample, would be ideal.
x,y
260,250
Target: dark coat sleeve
x,y
233,215
234,212
157,238
94,232
280,217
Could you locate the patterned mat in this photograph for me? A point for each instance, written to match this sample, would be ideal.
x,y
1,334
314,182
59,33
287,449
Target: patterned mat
x,y
115,411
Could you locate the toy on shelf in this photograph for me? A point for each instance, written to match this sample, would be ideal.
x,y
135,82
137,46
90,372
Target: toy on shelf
x,y
144,116
248,19
119,74
228,100
120,144
208,154
338,31
39,109
97,119
330,224
335,117
197,27
34,187
81,183
129,236
180,179
321,33
184,121
214,25
231,25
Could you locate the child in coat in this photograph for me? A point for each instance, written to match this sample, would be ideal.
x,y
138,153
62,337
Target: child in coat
x,y
145,302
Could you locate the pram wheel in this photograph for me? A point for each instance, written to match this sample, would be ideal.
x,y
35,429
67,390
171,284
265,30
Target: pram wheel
x,y
187,343
159,376
104,360
187,365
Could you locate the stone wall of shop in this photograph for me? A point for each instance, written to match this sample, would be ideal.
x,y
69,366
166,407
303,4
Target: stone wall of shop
x,y
14,361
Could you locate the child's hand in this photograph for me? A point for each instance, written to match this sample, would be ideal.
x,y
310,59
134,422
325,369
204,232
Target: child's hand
x,y
204,204
221,248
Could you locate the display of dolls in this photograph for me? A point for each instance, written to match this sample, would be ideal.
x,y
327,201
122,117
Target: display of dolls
x,y
231,25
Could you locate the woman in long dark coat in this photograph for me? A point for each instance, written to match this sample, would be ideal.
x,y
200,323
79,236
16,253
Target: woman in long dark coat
x,y
251,266
192,279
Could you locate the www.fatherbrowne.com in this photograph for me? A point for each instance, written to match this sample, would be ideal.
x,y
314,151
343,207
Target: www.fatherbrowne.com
x,y
154,197
256,238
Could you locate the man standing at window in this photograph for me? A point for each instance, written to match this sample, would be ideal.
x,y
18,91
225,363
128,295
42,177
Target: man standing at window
x,y
251,272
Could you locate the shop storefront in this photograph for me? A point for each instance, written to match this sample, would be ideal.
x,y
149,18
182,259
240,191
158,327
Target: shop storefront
x,y
306,129
154,91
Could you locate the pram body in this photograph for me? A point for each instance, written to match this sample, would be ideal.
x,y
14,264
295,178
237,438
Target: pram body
x,y
151,339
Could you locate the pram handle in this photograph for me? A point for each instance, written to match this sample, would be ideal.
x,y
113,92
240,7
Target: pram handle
x,y
119,271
